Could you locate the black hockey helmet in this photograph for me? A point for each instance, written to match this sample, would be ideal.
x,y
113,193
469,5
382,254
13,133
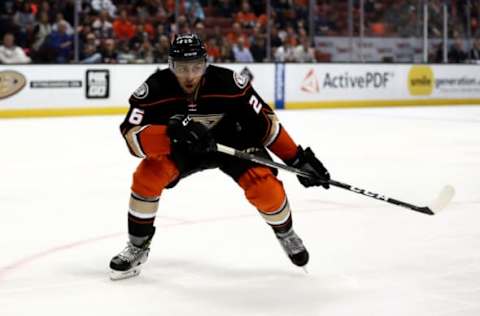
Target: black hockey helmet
x,y
187,46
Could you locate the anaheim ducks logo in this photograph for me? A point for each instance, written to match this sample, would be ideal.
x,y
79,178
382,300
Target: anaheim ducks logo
x,y
240,80
11,82
142,91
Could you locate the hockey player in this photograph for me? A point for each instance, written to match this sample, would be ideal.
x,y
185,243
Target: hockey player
x,y
176,118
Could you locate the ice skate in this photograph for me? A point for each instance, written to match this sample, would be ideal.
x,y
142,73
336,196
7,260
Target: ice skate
x,y
294,248
128,262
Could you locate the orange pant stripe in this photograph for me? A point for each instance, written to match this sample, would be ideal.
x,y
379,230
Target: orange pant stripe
x,y
153,175
263,189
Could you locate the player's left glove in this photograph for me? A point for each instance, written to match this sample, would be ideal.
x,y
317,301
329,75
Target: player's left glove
x,y
189,136
306,160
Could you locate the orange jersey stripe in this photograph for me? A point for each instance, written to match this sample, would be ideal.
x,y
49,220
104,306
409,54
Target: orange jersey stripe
x,y
284,146
155,141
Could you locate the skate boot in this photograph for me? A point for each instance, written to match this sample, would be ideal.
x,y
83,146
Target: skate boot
x,y
127,263
294,248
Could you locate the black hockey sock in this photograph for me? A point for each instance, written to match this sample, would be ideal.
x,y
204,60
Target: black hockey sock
x,y
140,228
284,227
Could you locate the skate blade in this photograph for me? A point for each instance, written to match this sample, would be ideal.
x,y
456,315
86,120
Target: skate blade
x,y
305,269
120,275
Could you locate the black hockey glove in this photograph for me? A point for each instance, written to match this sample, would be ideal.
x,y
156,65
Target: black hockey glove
x,y
306,161
189,136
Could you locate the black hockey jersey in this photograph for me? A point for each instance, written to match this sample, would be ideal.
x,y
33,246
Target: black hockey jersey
x,y
225,102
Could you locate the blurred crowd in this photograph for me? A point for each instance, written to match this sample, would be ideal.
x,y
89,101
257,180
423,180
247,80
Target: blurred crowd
x,y
139,31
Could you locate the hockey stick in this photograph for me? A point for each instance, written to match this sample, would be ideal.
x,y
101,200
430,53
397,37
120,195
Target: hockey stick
x,y
436,206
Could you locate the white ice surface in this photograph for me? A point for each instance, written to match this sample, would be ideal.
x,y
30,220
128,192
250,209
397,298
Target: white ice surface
x,y
64,191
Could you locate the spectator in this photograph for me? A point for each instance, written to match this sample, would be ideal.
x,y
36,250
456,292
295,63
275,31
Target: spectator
x,y
475,51
155,7
170,7
217,34
289,34
213,51
107,5
140,36
90,55
24,16
258,48
409,27
285,53
456,54
304,53
61,43
41,30
194,11
102,26
91,39
161,30
241,53
199,29
275,39
144,53
10,53
160,52
59,19
226,52
147,27
246,17
123,28
301,9
159,13
181,26
45,7
236,33
109,53
125,54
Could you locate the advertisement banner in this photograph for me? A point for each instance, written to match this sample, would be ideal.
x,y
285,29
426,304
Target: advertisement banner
x,y
364,85
53,90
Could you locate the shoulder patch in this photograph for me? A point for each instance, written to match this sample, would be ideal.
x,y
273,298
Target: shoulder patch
x,y
240,80
141,92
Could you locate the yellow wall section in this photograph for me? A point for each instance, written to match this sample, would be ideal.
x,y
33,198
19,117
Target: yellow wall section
x,y
379,103
56,112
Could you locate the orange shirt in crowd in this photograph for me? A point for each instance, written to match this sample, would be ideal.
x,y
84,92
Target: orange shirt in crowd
x,y
232,38
262,19
170,6
123,30
246,18
214,52
148,27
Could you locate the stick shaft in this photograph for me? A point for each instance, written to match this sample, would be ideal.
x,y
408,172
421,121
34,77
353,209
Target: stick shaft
x,y
269,163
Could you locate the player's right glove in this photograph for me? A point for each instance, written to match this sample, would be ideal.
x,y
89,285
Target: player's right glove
x,y
306,161
189,136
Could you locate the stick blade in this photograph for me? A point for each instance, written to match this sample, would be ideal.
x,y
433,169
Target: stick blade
x,y
443,199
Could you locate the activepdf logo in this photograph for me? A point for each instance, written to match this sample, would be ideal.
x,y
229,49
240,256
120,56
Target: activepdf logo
x,y
310,82
421,80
